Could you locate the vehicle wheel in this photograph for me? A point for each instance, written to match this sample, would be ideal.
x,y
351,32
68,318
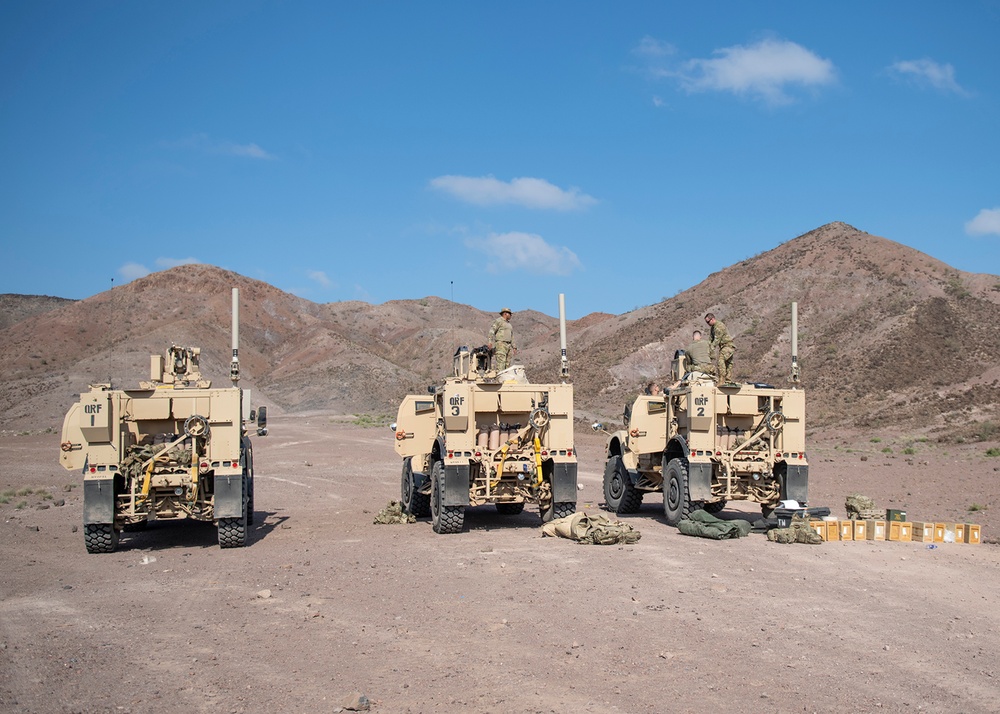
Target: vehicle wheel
x,y
509,509
766,509
412,501
557,510
233,531
444,519
676,498
100,537
715,506
620,494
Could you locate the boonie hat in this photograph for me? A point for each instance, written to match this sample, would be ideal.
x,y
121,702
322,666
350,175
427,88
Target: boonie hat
x,y
505,309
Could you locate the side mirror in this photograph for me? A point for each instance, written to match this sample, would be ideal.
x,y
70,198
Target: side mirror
x,y
253,415
432,389
262,421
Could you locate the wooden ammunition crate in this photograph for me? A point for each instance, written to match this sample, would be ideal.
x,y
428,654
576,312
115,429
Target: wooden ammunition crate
x,y
860,530
959,532
902,531
972,533
923,532
846,530
832,530
875,530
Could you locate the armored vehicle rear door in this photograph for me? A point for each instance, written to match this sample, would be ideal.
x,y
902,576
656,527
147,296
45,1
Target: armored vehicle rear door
x,y
415,425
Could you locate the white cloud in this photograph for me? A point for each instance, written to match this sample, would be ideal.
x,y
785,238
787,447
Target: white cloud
x,y
249,150
164,263
318,276
928,73
525,251
987,222
131,271
764,70
652,47
527,192
202,142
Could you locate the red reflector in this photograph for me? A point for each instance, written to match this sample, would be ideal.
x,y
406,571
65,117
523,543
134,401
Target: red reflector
x,y
718,453
479,453
93,469
204,464
451,454
545,453
569,453
777,455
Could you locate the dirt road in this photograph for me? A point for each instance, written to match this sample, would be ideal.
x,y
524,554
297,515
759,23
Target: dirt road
x,y
497,619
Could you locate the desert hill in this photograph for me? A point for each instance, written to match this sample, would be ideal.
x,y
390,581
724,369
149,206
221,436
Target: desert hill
x,y
889,339
14,308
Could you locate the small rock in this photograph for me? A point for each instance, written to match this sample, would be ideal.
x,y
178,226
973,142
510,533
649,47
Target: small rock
x,y
41,507
74,529
32,528
263,594
356,702
59,502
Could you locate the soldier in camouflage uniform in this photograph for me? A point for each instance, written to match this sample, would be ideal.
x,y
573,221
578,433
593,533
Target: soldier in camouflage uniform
x,y
723,349
698,354
501,338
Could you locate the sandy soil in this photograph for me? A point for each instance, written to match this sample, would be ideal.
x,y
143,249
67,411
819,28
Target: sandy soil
x,y
497,619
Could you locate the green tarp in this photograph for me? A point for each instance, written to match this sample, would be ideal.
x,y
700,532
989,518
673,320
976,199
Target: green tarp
x,y
704,525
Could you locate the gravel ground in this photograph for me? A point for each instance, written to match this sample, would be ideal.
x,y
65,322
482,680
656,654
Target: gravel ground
x,y
323,604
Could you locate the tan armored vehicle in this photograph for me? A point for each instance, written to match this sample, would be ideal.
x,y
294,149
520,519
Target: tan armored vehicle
x,y
172,448
488,437
702,444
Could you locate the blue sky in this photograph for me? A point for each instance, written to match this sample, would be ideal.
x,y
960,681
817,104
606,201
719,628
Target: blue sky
x,y
496,154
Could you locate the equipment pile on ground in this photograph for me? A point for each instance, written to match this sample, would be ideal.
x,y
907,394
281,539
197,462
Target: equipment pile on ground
x,y
799,532
704,525
591,530
862,508
393,514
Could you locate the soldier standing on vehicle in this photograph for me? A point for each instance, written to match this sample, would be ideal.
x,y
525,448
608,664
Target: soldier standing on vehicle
x,y
723,348
501,339
698,354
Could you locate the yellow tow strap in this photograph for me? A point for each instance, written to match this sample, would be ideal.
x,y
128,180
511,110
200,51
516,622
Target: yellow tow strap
x,y
538,460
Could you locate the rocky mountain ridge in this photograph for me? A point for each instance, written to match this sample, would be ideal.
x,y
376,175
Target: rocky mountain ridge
x,y
890,338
